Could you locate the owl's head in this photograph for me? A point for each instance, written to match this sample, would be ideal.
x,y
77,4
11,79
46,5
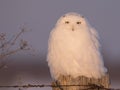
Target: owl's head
x,y
71,21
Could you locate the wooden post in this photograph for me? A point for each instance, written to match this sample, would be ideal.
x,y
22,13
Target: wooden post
x,y
69,83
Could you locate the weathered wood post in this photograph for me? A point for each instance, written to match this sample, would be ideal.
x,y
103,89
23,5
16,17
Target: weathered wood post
x,y
81,83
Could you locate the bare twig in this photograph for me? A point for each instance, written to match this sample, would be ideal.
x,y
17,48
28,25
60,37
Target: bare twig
x,y
17,36
12,46
9,53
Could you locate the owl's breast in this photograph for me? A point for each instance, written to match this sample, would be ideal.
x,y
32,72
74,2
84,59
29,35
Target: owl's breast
x,y
69,40
72,40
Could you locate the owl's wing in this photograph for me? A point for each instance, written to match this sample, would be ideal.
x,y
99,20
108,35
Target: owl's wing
x,y
95,37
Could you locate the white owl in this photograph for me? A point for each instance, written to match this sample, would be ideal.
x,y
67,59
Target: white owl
x,y
73,49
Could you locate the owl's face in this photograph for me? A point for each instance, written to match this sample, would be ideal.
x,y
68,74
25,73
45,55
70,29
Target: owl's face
x,y
71,21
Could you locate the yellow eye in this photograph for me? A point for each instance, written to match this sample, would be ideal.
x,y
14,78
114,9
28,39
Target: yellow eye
x,y
67,22
78,22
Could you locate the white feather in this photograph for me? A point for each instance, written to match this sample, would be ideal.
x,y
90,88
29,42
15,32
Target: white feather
x,y
73,49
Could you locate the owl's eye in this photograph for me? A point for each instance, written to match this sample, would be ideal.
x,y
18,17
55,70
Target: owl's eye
x,y
67,22
78,22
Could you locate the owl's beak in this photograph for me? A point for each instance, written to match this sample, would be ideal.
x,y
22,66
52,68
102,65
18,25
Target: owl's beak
x,y
72,28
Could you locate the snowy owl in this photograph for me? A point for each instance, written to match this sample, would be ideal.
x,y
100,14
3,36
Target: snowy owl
x,y
73,49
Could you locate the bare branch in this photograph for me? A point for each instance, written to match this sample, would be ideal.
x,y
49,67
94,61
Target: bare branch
x,y
17,36
12,46
9,53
